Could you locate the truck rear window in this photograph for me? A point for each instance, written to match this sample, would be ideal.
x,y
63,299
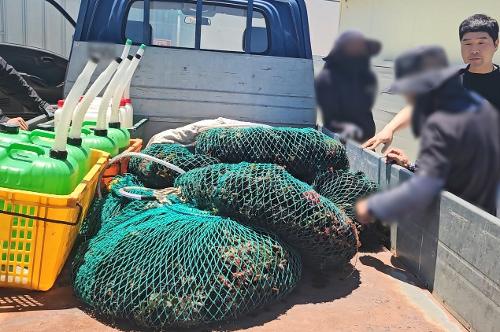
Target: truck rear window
x,y
173,24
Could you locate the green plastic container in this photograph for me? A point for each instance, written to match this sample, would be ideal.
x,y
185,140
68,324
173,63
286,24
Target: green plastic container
x,y
77,153
99,141
12,134
3,150
121,137
28,167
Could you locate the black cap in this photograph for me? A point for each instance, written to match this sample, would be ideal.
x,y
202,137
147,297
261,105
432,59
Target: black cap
x,y
130,57
119,60
372,46
75,141
9,128
421,70
101,132
115,125
138,56
60,155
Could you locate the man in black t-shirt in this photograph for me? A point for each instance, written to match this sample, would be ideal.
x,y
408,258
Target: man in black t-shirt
x,y
479,43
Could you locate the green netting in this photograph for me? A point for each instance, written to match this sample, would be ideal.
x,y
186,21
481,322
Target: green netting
x,y
154,175
345,188
303,152
266,195
179,266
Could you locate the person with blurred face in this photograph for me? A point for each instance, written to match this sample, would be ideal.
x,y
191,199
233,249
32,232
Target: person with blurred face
x,y
479,43
460,139
346,87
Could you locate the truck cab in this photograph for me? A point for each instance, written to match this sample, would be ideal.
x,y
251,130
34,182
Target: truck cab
x,y
244,60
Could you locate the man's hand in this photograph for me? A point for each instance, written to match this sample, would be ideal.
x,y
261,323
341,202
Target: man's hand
x,y
385,136
363,215
397,156
19,121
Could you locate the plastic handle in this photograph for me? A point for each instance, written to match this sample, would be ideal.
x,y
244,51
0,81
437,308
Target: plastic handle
x,y
86,131
27,147
42,133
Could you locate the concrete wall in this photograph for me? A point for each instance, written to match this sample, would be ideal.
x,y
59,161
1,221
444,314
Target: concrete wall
x,y
453,247
36,23
402,24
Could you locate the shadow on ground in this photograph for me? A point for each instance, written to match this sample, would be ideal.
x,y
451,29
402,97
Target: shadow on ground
x,y
313,288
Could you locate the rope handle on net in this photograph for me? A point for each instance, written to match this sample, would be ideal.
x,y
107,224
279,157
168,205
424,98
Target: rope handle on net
x,y
159,195
139,155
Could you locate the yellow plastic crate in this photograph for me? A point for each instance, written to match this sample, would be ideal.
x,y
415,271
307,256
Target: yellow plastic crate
x,y
37,231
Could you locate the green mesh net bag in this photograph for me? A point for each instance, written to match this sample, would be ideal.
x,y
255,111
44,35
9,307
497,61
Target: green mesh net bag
x,y
345,188
267,196
154,175
176,266
303,152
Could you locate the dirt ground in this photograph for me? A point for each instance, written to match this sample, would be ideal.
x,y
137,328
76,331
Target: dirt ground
x,y
372,294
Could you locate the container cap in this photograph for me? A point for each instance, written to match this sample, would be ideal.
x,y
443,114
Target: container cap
x,y
75,141
115,125
60,155
101,132
9,128
123,102
60,103
130,57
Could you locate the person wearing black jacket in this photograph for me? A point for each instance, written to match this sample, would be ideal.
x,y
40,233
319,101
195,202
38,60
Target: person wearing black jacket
x,y
346,87
459,139
14,86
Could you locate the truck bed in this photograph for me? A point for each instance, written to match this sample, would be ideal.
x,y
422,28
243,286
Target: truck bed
x,y
374,293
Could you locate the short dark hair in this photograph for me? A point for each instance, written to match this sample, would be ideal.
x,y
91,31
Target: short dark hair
x,y
479,23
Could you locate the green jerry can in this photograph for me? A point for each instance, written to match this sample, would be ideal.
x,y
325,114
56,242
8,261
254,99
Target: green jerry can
x,y
120,135
29,167
10,133
76,151
103,139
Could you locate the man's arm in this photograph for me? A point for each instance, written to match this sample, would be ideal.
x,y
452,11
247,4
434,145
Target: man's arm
x,y
13,85
436,149
386,135
413,195
3,118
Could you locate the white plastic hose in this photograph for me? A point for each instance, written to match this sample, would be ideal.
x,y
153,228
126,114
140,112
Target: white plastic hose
x,y
108,94
126,48
119,92
70,103
94,90
125,192
139,155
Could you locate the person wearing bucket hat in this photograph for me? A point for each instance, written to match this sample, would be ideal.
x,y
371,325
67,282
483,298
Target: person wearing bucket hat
x,y
460,139
346,87
479,43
